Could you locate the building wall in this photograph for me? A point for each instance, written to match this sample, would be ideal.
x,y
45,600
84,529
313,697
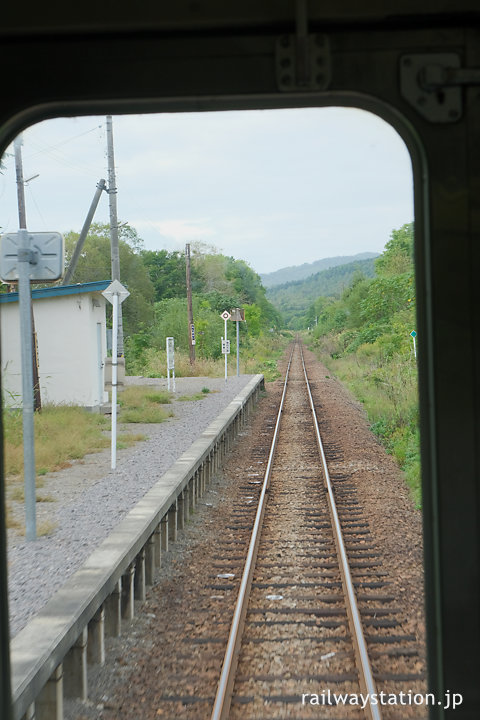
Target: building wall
x,y
71,337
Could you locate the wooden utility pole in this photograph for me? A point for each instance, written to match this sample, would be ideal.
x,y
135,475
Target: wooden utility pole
x,y
191,327
22,222
114,245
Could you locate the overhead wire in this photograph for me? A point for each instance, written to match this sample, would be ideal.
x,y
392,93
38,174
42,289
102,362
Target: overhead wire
x,y
32,196
59,156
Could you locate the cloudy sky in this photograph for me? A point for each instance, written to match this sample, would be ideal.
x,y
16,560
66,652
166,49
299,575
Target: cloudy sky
x,y
275,188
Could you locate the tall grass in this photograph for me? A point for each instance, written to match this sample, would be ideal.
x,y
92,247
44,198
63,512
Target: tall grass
x,y
259,355
387,388
62,434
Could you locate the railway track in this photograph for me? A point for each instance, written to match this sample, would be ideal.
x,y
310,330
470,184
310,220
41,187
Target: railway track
x,y
297,631
291,645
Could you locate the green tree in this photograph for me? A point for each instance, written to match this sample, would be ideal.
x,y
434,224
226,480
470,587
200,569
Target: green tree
x,y
167,272
397,257
94,264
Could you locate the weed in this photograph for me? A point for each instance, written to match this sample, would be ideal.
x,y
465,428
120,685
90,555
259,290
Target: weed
x,y
205,390
131,438
45,527
62,433
16,493
149,413
45,499
12,522
139,404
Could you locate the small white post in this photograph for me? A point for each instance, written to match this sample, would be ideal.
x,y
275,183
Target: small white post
x,y
170,343
114,378
238,348
226,356
225,316
115,293
413,335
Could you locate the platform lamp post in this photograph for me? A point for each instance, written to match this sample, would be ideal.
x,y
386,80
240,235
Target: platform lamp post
x,y
115,293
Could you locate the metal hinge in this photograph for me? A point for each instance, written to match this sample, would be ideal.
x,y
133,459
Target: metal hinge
x,y
433,85
302,62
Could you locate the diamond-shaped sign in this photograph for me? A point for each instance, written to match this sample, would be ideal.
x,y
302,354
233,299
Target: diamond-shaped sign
x,y
46,256
115,288
225,315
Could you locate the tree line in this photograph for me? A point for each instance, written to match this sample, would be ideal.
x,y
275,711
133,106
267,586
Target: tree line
x,y
156,280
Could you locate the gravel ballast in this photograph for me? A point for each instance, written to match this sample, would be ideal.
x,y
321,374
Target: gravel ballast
x,y
90,498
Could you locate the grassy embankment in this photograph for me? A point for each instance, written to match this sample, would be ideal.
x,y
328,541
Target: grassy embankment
x,y
387,389
364,339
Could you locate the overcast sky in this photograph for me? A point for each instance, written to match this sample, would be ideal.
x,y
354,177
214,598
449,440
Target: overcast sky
x,y
275,188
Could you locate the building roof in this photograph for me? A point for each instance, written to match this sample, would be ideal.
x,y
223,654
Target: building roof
x,y
59,291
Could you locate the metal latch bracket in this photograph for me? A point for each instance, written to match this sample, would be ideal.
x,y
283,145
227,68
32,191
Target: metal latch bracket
x,y
303,63
432,84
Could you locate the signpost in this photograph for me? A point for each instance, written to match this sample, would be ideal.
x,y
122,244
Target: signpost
x,y
115,293
225,343
414,335
238,315
26,256
170,361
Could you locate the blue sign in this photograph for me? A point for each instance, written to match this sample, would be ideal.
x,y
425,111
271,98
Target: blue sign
x,y
413,333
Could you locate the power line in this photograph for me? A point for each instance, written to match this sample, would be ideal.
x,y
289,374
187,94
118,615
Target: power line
x,y
64,142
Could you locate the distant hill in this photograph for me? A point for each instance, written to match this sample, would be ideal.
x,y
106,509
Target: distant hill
x,y
299,272
294,298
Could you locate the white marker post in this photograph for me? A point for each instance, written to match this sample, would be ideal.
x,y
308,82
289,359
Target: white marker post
x,y
115,293
170,361
414,336
225,345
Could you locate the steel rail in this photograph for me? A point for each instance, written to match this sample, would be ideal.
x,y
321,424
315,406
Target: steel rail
x,y
223,698
367,683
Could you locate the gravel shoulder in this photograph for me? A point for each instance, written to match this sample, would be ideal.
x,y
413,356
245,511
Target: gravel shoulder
x,y
89,499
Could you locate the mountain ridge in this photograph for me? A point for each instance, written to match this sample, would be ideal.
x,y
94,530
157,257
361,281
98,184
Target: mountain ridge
x,y
294,298
301,272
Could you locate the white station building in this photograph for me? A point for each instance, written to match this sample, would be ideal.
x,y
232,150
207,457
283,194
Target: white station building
x,y
70,325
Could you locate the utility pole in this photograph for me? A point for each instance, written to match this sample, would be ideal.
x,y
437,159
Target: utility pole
x,y
114,249
22,222
191,327
22,214
101,185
